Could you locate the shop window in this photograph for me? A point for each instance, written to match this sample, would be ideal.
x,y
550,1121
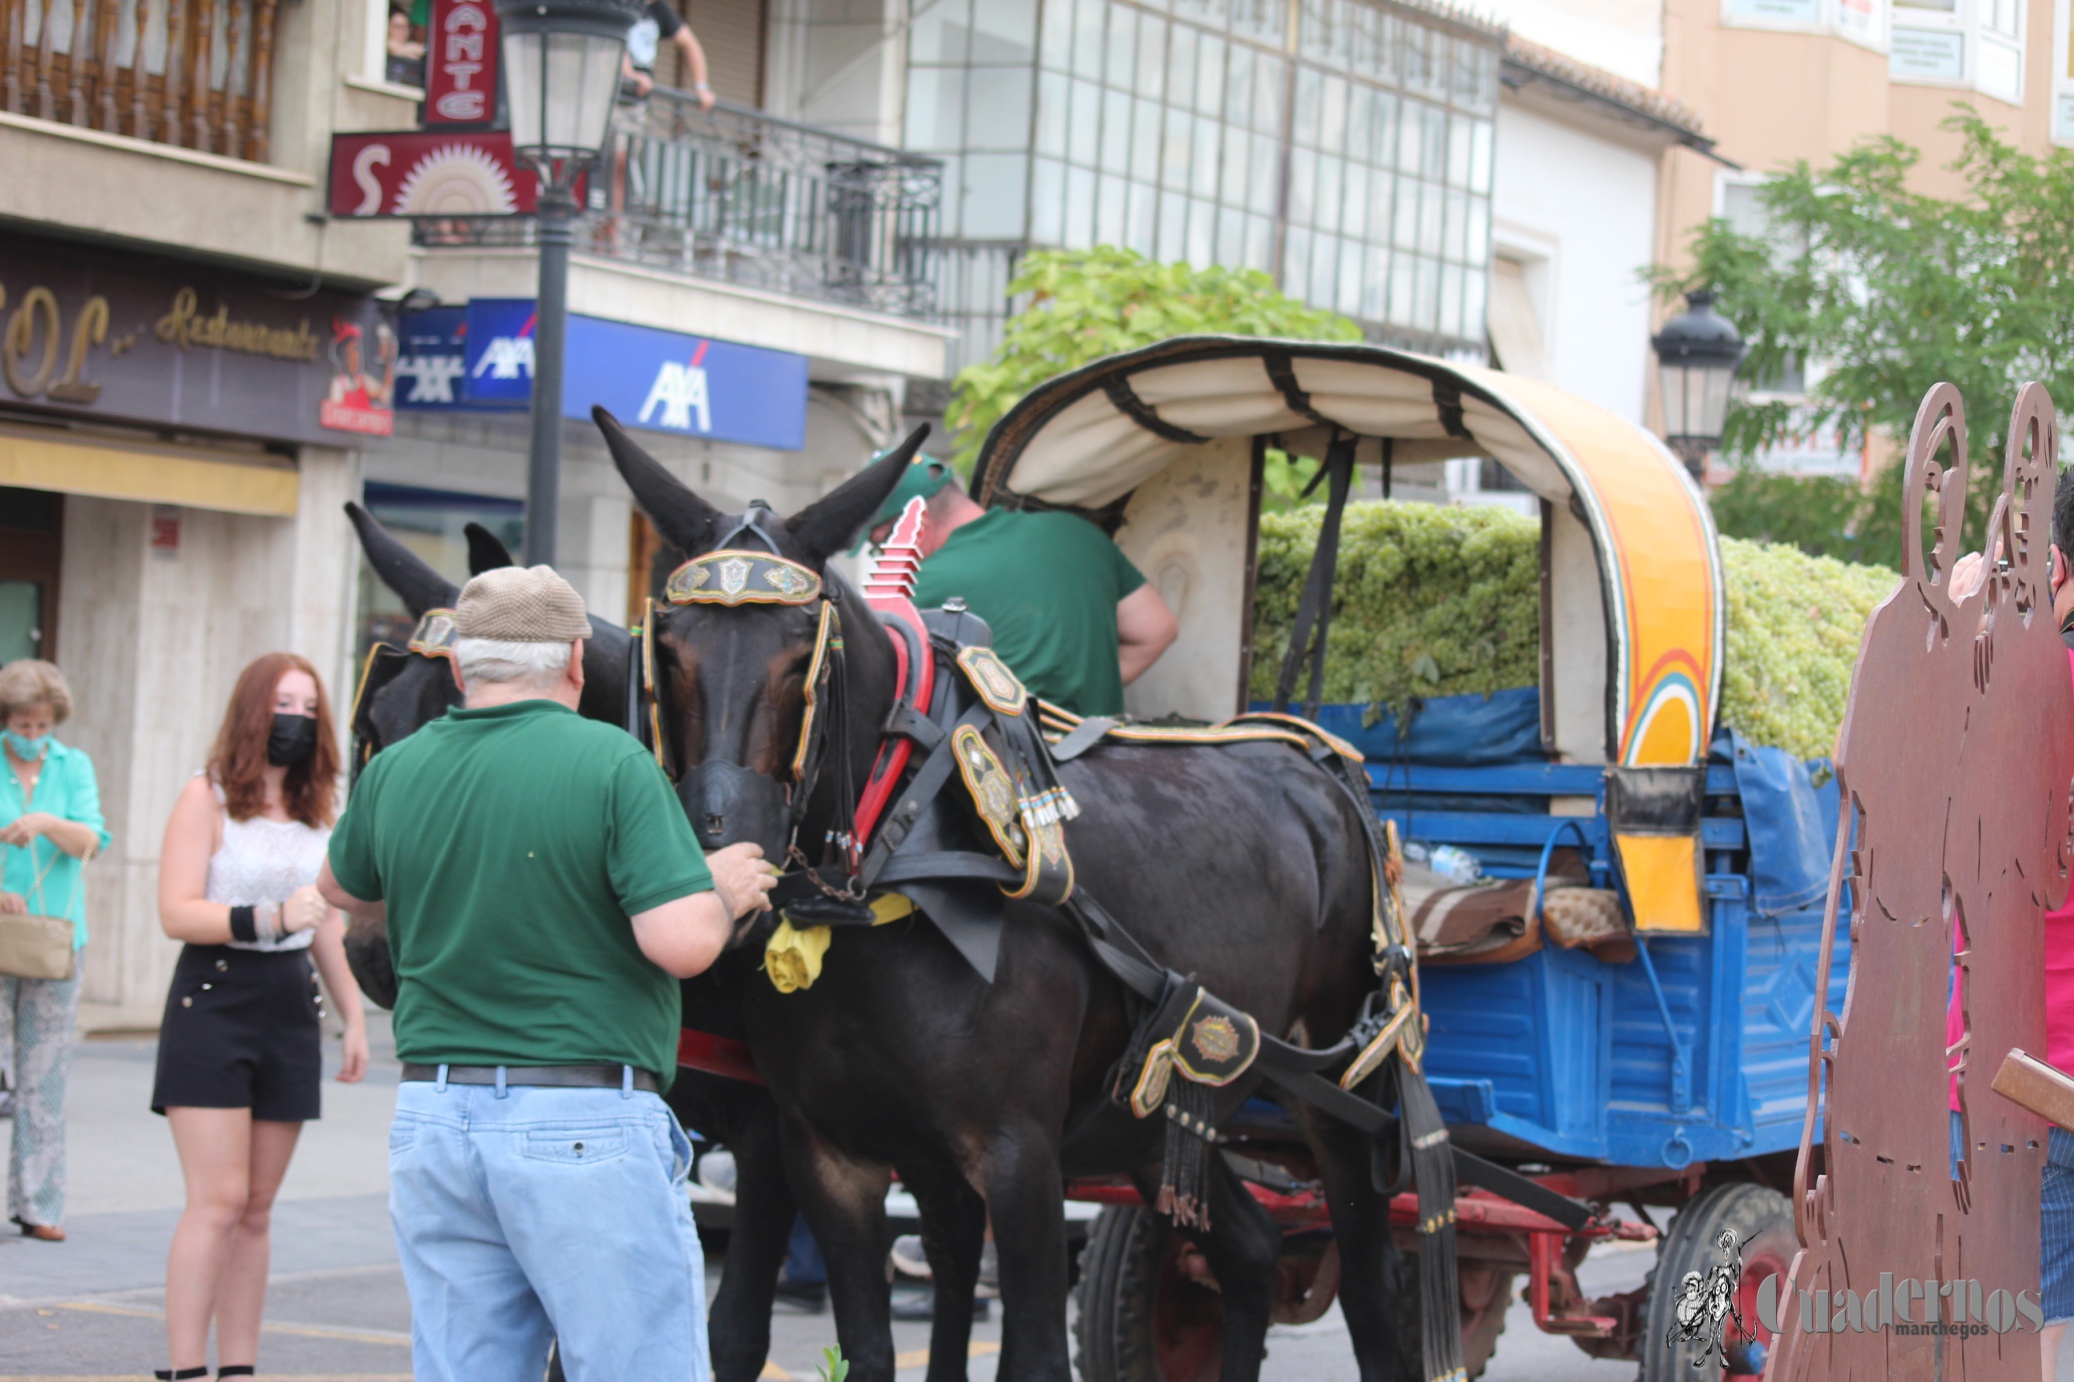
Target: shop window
x,y
432,523
1944,43
31,548
1861,21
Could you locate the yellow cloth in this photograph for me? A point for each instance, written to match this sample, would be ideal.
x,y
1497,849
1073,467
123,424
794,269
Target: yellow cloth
x,y
792,957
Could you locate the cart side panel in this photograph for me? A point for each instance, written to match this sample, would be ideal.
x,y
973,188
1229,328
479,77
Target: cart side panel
x,y
1778,1004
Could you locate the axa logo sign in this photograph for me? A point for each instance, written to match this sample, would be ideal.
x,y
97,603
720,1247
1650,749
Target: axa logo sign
x,y
433,372
506,357
693,386
497,349
664,381
679,399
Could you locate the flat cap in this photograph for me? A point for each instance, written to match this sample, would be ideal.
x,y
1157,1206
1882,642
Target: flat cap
x,y
519,604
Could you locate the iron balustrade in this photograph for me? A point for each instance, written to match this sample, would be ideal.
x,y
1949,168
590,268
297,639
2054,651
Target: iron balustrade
x,y
749,198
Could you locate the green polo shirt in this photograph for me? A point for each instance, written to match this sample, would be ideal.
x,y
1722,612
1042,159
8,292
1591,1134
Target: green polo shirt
x,y
512,844
1048,585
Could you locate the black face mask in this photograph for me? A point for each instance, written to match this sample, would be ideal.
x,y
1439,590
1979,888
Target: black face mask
x,y
292,739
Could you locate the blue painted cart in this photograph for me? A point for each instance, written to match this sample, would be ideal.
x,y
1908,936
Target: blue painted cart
x,y
1671,1076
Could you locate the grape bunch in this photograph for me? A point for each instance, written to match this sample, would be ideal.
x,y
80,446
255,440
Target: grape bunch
x,y
1433,601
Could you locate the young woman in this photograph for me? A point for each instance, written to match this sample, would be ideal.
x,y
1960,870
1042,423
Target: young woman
x,y
50,825
239,1057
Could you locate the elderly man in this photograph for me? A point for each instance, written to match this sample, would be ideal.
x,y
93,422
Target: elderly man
x,y
1069,612
543,894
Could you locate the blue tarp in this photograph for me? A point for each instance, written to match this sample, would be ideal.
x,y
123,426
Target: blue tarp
x,y
1791,824
1449,731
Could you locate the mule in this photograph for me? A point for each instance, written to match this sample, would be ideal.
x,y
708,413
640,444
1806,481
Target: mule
x,y
1243,865
729,1111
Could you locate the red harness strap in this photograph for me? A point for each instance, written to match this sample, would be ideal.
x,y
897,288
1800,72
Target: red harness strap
x,y
716,1055
889,593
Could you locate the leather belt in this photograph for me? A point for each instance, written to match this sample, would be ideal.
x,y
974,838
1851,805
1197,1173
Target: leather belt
x,y
554,1076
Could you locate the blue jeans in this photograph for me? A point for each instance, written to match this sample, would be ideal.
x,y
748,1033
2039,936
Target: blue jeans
x,y
533,1214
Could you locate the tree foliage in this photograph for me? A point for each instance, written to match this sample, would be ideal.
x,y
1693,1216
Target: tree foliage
x,y
1084,304
1888,291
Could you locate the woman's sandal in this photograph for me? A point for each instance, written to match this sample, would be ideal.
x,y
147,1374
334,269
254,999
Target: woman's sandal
x,y
235,1370
168,1375
42,1233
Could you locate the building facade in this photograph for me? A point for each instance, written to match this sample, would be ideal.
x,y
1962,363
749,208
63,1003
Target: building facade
x,y
193,363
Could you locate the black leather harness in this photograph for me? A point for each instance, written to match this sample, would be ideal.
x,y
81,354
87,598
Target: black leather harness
x,y
1412,1142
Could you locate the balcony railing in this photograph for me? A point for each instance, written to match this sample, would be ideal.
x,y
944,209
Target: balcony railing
x,y
738,195
197,73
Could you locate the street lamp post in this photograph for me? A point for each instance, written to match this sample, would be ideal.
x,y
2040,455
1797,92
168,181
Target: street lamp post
x,y
561,76
1697,354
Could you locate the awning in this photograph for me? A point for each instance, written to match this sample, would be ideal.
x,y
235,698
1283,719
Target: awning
x,y
149,474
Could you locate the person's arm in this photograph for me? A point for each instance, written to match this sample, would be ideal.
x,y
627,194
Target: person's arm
x,y
694,57
183,869
684,936
329,950
183,877
643,83
75,838
80,832
359,908
1145,627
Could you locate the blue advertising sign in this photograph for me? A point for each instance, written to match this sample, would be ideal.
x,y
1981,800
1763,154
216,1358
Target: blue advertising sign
x,y
694,386
428,362
497,352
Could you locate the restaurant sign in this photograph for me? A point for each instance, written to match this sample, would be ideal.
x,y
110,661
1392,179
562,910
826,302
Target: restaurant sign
x,y
128,338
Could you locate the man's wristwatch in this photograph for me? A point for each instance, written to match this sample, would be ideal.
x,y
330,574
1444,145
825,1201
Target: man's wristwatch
x,y
702,88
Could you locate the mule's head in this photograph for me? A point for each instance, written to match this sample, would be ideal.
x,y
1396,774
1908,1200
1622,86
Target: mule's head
x,y
403,691
731,681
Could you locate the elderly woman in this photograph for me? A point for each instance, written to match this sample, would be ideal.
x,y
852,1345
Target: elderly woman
x,y
50,824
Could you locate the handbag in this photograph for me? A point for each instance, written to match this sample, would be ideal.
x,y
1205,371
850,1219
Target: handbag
x,y
38,946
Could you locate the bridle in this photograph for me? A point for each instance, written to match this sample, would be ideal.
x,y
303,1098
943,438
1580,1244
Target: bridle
x,y
731,576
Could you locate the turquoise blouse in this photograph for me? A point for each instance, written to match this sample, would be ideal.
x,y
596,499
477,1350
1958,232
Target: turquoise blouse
x,y
65,790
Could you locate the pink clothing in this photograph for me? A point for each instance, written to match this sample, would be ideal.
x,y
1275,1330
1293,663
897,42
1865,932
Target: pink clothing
x,y
2059,988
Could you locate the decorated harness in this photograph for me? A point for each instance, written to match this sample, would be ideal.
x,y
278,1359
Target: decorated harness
x,y
903,843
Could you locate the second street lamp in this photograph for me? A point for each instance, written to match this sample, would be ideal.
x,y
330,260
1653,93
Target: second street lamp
x,y
1697,354
561,77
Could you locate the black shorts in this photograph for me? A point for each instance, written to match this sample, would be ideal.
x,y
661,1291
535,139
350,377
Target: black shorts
x,y
240,1031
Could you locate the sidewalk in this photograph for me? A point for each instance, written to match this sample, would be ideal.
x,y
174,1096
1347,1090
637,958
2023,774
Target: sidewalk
x,y
89,1308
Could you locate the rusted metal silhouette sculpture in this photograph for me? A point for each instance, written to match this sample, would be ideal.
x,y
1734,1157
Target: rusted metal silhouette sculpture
x,y
1955,758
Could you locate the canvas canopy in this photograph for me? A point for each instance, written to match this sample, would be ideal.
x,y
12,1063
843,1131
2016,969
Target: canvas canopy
x,y
1166,445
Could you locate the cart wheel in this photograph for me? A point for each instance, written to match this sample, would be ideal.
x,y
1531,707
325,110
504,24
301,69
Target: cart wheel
x,y
1144,1317
1762,1221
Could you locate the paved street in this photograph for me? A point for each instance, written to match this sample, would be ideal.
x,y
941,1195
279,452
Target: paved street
x,y
89,1308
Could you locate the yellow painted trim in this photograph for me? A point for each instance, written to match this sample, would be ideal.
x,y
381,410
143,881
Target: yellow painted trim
x,y
1663,879
149,475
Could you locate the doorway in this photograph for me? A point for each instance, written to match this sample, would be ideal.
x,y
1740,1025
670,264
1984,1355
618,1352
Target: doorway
x,y
31,552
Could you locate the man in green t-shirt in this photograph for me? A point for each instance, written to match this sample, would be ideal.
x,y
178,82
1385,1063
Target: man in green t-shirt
x,y
543,894
1069,613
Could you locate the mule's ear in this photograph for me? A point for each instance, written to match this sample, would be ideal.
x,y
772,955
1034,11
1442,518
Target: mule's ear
x,y
685,521
402,570
831,523
485,552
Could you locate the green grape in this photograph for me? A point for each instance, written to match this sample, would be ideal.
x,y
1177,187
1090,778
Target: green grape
x,y
1433,601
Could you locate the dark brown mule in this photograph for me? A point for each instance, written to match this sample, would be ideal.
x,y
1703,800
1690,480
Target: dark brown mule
x,y
1243,865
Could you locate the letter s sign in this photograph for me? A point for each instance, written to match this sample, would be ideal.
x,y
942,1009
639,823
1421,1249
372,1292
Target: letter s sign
x,y
364,163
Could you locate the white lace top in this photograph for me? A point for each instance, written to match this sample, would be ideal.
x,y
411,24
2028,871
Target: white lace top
x,y
260,864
